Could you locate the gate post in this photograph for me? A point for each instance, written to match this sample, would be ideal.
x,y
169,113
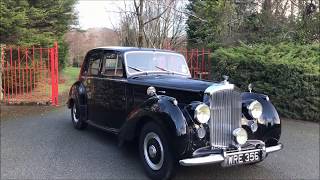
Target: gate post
x,y
54,74
56,90
2,64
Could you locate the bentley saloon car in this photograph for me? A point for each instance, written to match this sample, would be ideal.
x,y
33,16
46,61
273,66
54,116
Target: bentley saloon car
x,y
148,96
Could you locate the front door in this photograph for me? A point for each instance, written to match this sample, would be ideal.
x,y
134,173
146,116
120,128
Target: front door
x,y
112,90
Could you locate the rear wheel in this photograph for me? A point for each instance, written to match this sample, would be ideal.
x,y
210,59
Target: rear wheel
x,y
155,152
77,119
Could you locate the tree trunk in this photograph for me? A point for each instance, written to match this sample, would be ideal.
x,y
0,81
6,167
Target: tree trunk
x,y
140,21
267,7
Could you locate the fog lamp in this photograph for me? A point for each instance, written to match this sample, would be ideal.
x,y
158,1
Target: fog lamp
x,y
240,135
201,132
202,113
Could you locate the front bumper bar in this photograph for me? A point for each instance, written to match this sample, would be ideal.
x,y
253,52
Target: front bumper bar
x,y
219,158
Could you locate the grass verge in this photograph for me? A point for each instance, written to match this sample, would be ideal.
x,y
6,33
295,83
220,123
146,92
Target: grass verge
x,y
68,76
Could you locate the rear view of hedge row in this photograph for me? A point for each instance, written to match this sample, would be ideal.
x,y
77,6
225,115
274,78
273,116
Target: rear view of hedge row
x,y
288,73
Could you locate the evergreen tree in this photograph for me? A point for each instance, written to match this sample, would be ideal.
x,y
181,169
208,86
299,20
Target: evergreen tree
x,y
13,20
216,23
210,25
36,23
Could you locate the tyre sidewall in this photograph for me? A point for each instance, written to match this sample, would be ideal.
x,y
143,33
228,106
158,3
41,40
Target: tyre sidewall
x,y
167,169
80,124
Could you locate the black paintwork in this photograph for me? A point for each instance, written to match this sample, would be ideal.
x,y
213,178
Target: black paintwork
x,y
122,105
270,131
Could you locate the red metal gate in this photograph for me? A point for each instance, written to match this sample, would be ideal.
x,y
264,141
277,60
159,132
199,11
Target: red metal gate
x,y
29,75
198,62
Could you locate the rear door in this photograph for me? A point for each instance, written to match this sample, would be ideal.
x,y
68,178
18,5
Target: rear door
x,y
90,78
112,94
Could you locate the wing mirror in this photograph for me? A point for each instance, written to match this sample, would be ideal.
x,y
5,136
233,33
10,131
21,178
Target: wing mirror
x,y
250,87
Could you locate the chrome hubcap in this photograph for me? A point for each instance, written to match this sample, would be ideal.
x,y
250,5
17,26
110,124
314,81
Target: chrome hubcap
x,y
153,151
75,116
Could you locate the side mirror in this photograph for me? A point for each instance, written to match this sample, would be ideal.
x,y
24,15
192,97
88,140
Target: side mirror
x,y
250,87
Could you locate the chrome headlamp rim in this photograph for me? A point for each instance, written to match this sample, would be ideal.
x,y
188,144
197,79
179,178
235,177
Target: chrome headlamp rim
x,y
202,113
255,109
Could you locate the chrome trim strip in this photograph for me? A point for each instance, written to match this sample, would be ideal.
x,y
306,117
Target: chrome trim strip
x,y
272,149
218,87
107,129
240,152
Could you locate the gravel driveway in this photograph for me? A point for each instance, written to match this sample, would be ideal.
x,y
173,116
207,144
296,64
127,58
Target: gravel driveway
x,y
46,146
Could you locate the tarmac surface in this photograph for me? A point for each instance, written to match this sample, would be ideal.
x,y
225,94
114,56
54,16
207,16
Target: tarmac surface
x,y
44,145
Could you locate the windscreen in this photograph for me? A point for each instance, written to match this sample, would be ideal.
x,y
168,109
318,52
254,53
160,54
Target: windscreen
x,y
162,62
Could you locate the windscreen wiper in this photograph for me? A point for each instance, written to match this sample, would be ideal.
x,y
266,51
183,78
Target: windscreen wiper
x,y
163,69
134,68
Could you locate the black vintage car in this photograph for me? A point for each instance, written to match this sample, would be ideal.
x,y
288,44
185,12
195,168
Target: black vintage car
x,y
149,95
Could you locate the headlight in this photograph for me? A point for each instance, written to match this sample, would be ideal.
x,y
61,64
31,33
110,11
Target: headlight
x,y
202,113
255,109
240,135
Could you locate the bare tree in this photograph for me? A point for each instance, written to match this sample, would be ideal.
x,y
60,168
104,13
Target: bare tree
x,y
81,41
139,14
152,23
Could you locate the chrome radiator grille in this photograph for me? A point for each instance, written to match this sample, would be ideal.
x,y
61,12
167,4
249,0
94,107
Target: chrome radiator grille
x,y
225,109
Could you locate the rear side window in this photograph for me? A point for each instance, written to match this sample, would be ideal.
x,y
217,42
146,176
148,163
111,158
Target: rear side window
x,y
94,64
111,65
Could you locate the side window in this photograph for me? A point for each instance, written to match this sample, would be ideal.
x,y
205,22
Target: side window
x,y
111,65
94,64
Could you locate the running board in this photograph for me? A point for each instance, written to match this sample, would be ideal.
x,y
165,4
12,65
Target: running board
x,y
110,130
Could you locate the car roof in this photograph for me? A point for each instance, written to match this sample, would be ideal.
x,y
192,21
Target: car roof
x,y
126,49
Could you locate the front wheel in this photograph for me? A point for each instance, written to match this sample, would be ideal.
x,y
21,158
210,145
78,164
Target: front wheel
x,y
77,119
155,152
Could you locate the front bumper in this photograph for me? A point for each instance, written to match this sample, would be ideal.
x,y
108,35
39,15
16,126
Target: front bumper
x,y
221,157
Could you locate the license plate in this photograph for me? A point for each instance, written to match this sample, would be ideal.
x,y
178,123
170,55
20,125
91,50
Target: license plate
x,y
242,157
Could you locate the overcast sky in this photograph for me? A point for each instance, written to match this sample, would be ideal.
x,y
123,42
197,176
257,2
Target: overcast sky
x,y
98,13
101,13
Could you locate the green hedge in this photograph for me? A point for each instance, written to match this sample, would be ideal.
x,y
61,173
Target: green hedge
x,y
288,73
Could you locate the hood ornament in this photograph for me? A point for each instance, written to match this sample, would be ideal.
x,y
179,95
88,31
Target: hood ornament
x,y
225,77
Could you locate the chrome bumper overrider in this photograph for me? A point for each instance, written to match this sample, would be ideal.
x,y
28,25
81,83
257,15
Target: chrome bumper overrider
x,y
220,158
274,148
